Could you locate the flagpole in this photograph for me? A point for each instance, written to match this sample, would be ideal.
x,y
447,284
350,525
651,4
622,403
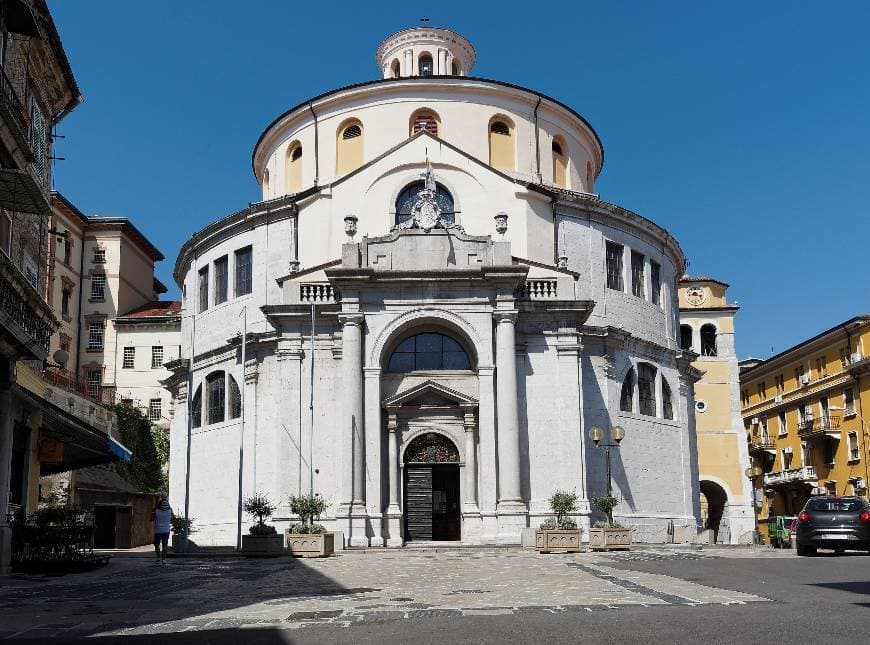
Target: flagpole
x,y
244,314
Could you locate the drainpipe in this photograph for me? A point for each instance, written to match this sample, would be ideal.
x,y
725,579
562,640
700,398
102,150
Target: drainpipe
x,y
537,141
316,145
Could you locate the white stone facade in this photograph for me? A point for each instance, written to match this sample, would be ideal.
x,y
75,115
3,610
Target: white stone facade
x,y
548,344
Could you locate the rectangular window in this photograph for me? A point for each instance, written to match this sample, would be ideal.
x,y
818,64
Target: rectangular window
x,y
5,232
67,249
762,390
203,289
98,287
99,256
637,274
31,271
220,280
95,335
64,301
828,451
852,440
848,401
831,487
156,356
780,384
129,358
244,269
155,409
655,276
783,424
614,266
94,379
786,458
765,435
805,454
844,357
744,395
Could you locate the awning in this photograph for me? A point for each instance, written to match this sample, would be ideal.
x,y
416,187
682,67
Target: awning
x,y
19,191
83,444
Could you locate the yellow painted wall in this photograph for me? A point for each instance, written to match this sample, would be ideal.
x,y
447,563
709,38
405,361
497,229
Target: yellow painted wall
x,y
715,294
501,148
348,152
720,453
294,169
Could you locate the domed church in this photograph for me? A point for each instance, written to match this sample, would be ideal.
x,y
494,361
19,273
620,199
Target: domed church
x,y
438,309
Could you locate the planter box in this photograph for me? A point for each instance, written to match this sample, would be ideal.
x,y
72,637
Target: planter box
x,y
182,544
263,545
557,541
604,539
310,545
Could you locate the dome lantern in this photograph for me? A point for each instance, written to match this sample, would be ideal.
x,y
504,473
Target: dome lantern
x,y
425,51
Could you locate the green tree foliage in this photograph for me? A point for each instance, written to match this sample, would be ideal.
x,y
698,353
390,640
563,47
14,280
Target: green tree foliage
x,y
150,448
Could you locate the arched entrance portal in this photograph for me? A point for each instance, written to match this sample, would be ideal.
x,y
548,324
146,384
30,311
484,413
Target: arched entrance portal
x,y
432,500
713,502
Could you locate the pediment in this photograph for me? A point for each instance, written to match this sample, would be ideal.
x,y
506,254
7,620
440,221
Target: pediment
x,y
429,394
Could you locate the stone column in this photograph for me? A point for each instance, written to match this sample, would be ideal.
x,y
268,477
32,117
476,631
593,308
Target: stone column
x,y
409,63
374,470
353,445
470,425
509,497
394,511
5,464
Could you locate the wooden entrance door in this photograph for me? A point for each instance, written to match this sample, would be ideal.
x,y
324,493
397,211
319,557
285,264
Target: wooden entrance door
x,y
432,502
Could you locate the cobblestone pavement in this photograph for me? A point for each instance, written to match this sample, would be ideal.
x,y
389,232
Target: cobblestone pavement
x,y
132,595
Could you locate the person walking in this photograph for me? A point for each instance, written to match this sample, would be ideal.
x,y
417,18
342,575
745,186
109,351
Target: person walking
x,y
162,518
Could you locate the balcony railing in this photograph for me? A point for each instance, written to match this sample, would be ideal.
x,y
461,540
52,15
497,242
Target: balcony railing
x,y
802,474
65,380
823,426
23,312
15,110
538,289
760,444
318,292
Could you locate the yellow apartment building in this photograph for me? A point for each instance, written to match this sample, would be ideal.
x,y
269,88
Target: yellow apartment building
x,y
707,332
803,413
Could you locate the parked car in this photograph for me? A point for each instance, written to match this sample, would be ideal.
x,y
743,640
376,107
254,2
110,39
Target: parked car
x,y
833,522
779,531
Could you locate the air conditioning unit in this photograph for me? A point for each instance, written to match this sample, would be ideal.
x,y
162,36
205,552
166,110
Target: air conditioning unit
x,y
860,483
755,421
854,358
777,398
805,379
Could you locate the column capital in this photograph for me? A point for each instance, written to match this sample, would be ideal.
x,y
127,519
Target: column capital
x,y
392,422
505,315
351,318
372,372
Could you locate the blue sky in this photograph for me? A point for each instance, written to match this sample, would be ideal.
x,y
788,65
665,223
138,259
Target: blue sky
x,y
740,127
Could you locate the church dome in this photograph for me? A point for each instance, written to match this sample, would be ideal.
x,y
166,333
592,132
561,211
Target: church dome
x,y
425,51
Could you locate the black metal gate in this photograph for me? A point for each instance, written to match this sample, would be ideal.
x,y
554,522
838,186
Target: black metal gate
x,y
432,502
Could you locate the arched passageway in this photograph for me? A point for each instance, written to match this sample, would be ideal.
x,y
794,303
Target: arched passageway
x,y
713,502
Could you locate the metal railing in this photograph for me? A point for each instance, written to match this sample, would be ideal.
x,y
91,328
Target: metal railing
x,y
538,289
66,380
16,306
14,104
823,425
318,292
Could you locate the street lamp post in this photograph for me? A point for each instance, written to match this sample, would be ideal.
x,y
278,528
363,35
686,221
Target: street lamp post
x,y
753,473
597,434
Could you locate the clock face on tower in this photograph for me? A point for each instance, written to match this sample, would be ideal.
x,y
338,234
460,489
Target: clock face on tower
x,y
695,296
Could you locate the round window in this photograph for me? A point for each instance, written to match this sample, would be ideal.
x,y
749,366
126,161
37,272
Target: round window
x,y
701,405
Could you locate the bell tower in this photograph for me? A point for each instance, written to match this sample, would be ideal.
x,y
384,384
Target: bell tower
x,y
425,51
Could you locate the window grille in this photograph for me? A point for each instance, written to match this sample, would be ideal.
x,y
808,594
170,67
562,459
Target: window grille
x,y
626,395
614,266
216,397
98,287
235,399
155,411
500,127
408,197
99,256
244,267
196,409
637,277
156,356
351,132
94,380
95,335
64,301
220,280
428,351
129,358
425,122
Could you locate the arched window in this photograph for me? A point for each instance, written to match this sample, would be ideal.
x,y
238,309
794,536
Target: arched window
x,y
646,389
196,408
708,340
215,394
235,399
349,147
428,351
431,448
424,65
396,68
294,168
667,401
626,395
560,164
501,144
686,338
424,120
455,68
408,197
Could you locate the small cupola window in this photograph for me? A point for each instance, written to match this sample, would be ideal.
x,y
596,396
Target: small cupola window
x,y
425,67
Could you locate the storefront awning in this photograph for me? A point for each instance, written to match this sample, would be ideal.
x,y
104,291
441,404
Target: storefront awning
x,y
77,443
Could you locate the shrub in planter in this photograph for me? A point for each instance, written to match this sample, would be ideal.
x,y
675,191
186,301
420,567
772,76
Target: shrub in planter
x,y
560,533
305,538
262,538
608,534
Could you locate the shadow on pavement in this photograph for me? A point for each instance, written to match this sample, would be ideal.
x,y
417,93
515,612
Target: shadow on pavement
x,y
253,636
133,591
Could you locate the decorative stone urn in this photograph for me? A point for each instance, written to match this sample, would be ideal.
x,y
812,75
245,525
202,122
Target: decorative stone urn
x,y
557,540
271,545
310,545
606,538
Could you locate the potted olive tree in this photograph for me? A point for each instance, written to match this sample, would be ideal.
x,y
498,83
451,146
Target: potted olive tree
x,y
307,539
181,530
608,534
559,534
262,538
